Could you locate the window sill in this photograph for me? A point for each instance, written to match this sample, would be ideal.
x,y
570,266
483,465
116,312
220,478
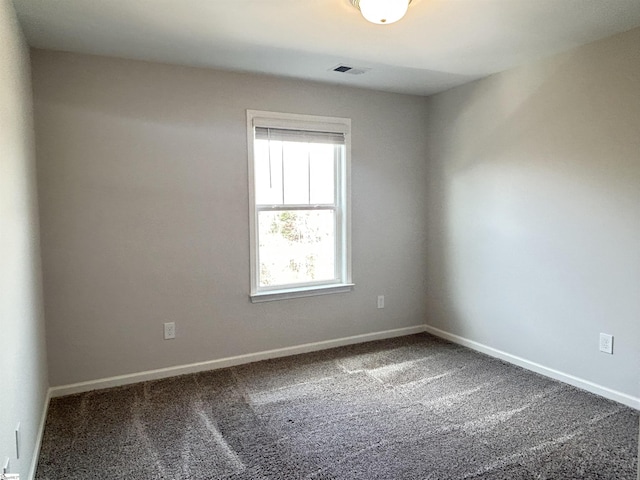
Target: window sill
x,y
300,292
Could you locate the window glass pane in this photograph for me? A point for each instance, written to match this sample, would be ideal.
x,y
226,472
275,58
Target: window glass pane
x,y
308,173
296,173
296,246
268,172
321,171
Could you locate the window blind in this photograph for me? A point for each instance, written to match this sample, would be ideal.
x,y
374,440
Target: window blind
x,y
303,136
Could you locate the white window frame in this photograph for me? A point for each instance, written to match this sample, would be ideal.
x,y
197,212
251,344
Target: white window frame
x,y
343,282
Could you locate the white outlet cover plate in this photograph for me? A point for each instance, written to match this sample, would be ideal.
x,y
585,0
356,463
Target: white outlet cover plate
x,y
169,330
606,343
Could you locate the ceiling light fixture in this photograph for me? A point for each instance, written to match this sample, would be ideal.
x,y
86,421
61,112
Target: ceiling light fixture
x,y
382,12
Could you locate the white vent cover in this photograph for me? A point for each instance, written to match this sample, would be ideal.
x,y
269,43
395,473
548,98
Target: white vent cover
x,y
342,68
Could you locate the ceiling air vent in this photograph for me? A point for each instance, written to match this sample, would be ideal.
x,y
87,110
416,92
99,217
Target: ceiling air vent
x,y
350,70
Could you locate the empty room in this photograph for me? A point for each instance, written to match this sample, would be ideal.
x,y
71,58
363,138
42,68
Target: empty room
x,y
319,239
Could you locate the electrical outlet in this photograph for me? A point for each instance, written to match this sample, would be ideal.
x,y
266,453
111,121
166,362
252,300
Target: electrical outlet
x,y
606,343
380,301
169,330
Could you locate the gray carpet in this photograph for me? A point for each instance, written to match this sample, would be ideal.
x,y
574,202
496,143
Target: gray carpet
x,y
409,408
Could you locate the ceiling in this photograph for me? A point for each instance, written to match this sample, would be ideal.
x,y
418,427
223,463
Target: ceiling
x,y
438,45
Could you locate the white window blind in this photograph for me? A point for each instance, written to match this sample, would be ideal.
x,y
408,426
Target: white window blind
x,y
302,136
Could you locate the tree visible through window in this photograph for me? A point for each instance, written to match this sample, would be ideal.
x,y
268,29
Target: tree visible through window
x,y
299,199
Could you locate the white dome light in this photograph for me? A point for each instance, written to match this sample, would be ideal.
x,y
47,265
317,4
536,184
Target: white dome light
x,y
383,12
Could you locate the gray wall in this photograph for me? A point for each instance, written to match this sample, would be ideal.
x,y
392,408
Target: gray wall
x,y
144,211
534,199
23,382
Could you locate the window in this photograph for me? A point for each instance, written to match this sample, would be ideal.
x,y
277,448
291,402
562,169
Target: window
x,y
299,202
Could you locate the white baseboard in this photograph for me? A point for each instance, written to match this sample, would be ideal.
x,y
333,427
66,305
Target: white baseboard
x,y
120,380
228,362
633,402
36,450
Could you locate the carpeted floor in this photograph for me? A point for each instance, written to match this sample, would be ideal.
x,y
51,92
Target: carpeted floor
x,y
408,408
